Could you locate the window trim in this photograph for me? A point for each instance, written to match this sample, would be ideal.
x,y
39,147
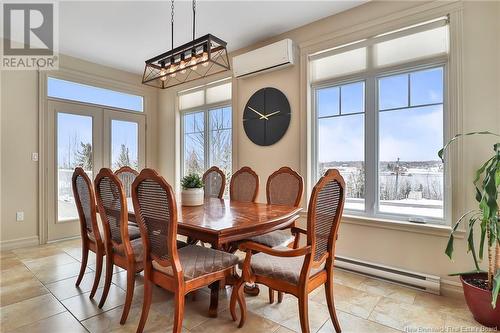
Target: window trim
x,y
371,136
206,118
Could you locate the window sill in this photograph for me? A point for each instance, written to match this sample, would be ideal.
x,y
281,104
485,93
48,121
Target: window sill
x,y
426,229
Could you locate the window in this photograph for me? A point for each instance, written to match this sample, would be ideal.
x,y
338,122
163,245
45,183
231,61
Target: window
x,y
206,129
74,149
124,144
89,94
379,120
340,126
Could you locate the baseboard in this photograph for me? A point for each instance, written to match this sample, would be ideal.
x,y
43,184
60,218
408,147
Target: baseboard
x,y
19,242
451,288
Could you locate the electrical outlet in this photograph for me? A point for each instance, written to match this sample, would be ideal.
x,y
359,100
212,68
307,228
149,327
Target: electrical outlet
x,y
34,157
19,216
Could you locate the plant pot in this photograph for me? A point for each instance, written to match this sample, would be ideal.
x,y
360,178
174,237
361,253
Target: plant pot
x,y
192,197
479,303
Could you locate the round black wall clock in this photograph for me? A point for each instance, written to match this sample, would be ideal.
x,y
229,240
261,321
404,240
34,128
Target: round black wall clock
x,y
266,116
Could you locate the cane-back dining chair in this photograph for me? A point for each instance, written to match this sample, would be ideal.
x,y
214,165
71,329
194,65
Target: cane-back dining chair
x,y
299,271
122,240
126,175
244,185
179,270
284,187
215,182
83,193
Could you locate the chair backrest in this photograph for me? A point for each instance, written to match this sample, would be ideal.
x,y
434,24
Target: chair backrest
x,y
325,210
244,185
112,206
285,187
156,213
215,182
85,204
127,176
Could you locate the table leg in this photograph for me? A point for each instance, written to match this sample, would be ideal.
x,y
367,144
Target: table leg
x,y
214,299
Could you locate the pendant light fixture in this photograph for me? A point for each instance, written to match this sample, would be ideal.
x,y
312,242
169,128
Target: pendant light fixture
x,y
194,60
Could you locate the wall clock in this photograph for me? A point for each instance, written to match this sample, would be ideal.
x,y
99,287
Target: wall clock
x,y
266,116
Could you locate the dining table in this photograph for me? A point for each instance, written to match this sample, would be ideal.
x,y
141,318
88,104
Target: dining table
x,y
222,223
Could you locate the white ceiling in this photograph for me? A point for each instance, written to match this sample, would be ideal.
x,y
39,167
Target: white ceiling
x,y
122,34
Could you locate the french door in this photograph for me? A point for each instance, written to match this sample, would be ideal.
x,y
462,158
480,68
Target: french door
x,y
91,137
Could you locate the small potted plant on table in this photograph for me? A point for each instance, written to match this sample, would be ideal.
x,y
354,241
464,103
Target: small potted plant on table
x,y
481,288
192,190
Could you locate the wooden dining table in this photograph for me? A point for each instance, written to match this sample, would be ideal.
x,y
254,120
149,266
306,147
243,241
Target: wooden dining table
x,y
222,222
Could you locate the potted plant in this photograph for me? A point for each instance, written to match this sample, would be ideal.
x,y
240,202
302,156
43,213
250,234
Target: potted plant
x,y
481,288
192,190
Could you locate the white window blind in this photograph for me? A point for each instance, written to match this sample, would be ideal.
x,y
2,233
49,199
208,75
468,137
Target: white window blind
x,y
412,47
213,93
417,42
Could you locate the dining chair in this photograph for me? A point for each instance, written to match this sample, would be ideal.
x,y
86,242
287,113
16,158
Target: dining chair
x,y
179,270
214,180
83,193
126,175
300,271
122,241
284,187
244,185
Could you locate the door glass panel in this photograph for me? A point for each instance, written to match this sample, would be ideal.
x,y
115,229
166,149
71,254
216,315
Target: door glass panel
x,y
194,143
124,144
74,148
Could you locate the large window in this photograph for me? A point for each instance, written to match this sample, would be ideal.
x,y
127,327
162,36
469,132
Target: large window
x,y
206,129
379,110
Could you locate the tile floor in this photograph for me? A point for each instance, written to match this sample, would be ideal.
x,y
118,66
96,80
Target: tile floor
x,y
37,294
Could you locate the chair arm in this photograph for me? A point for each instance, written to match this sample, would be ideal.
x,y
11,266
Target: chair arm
x,y
274,252
297,230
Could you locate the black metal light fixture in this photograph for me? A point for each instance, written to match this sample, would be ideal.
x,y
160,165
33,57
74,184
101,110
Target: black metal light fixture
x,y
194,60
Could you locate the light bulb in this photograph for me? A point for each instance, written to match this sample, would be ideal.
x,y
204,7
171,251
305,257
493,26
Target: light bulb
x,y
163,74
183,71
194,68
204,56
173,75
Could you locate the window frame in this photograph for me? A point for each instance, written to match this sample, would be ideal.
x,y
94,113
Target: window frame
x,y
206,108
371,131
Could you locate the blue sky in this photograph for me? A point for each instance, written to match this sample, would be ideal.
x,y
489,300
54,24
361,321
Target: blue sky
x,y
412,134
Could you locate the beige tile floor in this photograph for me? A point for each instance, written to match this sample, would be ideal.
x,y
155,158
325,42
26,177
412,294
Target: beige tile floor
x,y
37,294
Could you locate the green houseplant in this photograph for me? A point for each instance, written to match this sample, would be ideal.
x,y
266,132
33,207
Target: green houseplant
x,y
192,190
481,288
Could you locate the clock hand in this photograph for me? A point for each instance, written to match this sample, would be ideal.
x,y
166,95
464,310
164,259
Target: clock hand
x,y
271,114
257,112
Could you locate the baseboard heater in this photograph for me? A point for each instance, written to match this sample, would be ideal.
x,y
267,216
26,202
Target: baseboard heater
x,y
419,281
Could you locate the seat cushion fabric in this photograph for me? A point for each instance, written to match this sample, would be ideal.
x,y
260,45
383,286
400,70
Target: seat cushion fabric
x,y
197,261
274,238
280,268
136,247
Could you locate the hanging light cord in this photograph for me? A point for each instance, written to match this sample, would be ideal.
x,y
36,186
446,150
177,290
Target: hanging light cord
x,y
194,18
172,23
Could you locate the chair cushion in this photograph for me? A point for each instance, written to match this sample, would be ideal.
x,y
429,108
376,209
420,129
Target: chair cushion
x,y
136,248
198,260
280,268
274,238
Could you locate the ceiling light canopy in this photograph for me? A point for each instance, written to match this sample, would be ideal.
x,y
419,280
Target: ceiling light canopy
x,y
194,60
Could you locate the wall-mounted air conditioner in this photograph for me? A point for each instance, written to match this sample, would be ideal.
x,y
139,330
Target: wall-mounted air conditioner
x,y
270,57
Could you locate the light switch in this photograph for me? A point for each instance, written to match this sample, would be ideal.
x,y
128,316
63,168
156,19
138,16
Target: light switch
x,y
19,216
34,157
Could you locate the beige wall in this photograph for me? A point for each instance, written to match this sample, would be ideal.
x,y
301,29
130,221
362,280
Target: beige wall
x,y
414,248
19,138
